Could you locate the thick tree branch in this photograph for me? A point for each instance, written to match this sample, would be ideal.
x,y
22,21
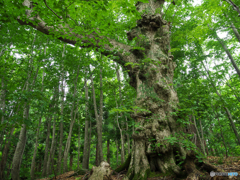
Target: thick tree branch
x,y
70,37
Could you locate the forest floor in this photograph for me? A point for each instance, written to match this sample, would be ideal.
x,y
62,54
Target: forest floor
x,y
231,164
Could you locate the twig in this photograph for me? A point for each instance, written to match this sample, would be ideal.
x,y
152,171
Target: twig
x,y
51,9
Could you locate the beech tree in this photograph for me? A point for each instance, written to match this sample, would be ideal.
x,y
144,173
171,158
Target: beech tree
x,y
145,56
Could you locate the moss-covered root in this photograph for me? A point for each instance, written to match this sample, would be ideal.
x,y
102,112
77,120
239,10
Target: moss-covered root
x,y
125,165
139,168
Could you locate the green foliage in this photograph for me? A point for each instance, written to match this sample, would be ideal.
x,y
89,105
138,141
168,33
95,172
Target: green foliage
x,y
193,45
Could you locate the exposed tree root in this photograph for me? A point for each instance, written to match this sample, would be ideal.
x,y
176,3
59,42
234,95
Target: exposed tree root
x,y
102,172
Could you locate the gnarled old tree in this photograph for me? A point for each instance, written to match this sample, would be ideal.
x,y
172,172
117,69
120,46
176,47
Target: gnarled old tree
x,y
150,68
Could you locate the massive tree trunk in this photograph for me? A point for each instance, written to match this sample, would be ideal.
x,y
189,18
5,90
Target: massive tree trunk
x,y
151,70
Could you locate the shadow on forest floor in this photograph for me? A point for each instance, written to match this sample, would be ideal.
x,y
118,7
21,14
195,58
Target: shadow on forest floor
x,y
231,164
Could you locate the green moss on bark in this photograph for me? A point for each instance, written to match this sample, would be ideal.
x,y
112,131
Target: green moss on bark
x,y
125,165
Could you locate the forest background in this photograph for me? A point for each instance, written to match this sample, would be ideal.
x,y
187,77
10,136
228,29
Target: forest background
x,y
62,126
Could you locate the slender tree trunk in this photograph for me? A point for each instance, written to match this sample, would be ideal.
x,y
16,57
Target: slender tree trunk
x,y
224,106
224,143
59,163
17,158
71,162
3,95
205,144
98,117
89,144
120,129
85,148
9,171
199,137
108,151
44,173
5,152
52,149
117,150
3,106
52,155
19,149
32,172
228,53
202,138
97,155
100,148
73,117
235,31
122,145
235,7
79,143
128,138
